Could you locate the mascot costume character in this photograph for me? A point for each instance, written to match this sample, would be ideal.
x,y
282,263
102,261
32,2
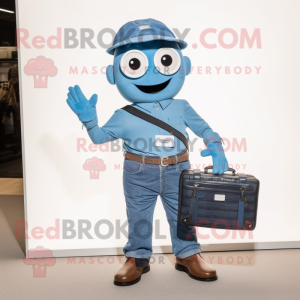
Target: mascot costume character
x,y
149,70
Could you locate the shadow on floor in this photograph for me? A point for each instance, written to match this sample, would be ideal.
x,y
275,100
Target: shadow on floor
x,y
12,208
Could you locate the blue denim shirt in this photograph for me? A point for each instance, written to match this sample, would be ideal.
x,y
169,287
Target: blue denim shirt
x,y
139,135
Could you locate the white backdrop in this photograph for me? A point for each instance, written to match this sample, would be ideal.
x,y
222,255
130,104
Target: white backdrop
x,y
260,108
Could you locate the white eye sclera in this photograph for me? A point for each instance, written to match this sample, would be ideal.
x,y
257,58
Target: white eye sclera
x,y
134,64
167,61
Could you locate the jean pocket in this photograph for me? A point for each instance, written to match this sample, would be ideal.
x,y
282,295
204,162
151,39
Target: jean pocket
x,y
132,167
183,166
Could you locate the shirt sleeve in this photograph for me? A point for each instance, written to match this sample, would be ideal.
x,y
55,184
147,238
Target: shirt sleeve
x,y
111,131
198,125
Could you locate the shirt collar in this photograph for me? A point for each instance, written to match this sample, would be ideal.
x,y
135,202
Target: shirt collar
x,y
149,105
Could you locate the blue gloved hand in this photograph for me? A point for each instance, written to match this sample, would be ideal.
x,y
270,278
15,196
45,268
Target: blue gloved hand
x,y
220,163
83,108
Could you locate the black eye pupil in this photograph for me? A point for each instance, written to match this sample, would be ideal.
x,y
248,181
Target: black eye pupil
x,y
166,60
134,64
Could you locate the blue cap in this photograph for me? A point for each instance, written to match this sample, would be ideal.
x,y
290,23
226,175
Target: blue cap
x,y
141,31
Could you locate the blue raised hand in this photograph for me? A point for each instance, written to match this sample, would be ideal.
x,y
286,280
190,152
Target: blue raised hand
x,y
220,163
83,108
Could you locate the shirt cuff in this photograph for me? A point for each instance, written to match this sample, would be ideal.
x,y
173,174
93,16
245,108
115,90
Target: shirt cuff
x,y
90,124
212,138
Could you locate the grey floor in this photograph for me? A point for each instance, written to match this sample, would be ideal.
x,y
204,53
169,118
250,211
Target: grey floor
x,y
264,275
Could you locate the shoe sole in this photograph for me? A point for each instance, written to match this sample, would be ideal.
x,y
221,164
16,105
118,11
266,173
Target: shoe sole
x,y
145,270
184,269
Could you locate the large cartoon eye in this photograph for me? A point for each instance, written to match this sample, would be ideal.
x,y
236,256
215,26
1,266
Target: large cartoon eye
x,y
167,61
134,63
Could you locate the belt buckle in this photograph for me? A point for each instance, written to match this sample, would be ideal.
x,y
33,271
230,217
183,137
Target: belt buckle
x,y
162,161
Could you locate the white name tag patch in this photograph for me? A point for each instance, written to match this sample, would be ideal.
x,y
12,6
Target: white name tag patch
x,y
219,197
164,141
144,27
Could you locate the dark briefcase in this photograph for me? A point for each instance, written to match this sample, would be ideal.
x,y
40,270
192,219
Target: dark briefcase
x,y
227,201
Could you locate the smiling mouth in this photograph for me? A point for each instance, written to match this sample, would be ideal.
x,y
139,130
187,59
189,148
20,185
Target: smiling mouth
x,y
153,89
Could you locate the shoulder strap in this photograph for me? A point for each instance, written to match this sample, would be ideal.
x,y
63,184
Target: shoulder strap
x,y
138,113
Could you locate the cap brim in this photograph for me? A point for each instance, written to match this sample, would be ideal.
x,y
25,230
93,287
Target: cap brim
x,y
146,38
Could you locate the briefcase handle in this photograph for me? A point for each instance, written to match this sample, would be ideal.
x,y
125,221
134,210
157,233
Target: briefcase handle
x,y
211,167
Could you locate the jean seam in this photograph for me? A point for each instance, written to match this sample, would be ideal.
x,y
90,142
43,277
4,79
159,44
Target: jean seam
x,y
161,180
134,172
141,165
177,169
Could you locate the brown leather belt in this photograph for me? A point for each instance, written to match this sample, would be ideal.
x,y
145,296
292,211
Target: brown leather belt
x,y
163,160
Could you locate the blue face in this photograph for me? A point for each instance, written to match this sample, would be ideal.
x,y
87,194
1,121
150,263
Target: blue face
x,y
149,72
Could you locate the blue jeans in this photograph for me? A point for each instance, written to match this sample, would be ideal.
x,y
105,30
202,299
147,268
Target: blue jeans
x,y
142,184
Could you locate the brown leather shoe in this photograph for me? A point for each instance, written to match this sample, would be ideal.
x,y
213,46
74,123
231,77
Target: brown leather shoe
x,y
196,268
130,274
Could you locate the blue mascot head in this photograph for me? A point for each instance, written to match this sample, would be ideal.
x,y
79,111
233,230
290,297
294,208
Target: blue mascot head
x,y
148,62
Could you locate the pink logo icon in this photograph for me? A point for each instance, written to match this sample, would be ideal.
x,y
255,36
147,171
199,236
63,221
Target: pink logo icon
x,y
40,68
94,165
39,264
